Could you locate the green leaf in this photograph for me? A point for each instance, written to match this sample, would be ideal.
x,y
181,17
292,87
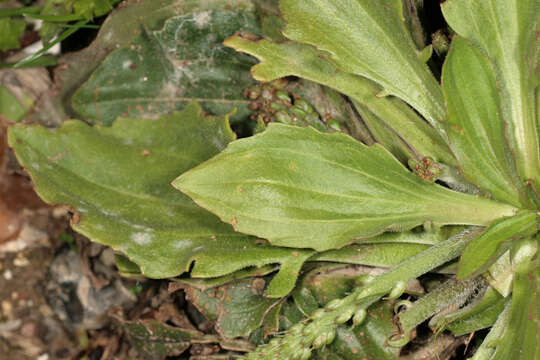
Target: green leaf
x,y
238,308
164,70
11,30
298,187
394,124
507,32
475,128
520,339
10,107
495,240
118,30
368,38
382,255
208,283
118,180
156,340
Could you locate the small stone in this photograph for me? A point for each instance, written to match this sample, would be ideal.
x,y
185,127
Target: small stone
x,y
7,308
29,329
8,275
43,357
21,261
45,310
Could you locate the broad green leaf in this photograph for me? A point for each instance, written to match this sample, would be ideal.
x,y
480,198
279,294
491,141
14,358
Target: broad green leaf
x,y
393,117
119,30
368,38
495,240
237,308
166,69
298,187
520,338
118,180
507,32
475,128
10,31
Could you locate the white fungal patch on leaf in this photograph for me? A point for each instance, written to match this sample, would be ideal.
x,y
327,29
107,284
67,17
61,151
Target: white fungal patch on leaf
x,y
202,19
142,238
126,64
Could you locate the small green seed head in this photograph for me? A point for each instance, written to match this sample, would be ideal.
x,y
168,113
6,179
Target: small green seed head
x,y
298,112
302,104
306,354
359,316
274,343
318,314
330,336
345,316
297,329
283,96
284,118
334,304
319,341
334,124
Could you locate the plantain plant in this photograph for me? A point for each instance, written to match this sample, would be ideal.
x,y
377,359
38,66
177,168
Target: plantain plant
x,y
394,169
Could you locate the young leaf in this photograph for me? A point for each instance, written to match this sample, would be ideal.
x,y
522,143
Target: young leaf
x,y
402,124
520,338
507,32
486,248
118,181
475,128
368,38
301,188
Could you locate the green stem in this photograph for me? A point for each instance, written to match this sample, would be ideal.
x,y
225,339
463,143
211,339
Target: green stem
x,y
63,36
